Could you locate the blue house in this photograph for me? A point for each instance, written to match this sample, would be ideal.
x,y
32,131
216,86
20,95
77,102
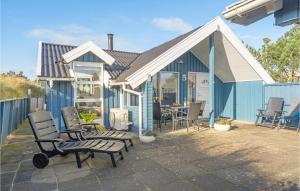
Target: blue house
x,y
208,63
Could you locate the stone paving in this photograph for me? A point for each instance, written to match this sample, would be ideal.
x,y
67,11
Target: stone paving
x,y
246,158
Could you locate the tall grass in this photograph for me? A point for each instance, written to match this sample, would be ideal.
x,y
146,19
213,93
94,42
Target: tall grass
x,y
17,87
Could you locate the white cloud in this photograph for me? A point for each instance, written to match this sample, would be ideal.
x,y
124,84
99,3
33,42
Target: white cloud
x,y
172,24
67,34
76,35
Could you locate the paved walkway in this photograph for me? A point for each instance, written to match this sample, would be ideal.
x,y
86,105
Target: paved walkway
x,y
246,158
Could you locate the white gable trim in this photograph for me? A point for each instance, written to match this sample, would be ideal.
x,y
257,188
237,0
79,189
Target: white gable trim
x,y
189,42
241,48
38,71
85,48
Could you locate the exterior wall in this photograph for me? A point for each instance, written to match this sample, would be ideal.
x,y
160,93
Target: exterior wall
x,y
242,99
60,95
192,64
134,117
111,100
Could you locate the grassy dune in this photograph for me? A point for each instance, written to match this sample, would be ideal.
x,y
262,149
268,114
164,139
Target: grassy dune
x,y
17,87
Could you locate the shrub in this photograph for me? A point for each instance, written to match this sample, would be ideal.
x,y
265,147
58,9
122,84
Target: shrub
x,y
150,133
223,121
87,117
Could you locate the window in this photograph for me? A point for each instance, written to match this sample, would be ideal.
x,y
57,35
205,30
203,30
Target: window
x,y
88,91
169,87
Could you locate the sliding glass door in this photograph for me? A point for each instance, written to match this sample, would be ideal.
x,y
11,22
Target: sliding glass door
x,y
169,87
198,89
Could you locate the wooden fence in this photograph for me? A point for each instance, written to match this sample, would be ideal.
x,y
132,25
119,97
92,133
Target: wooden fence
x,y
37,103
14,111
290,92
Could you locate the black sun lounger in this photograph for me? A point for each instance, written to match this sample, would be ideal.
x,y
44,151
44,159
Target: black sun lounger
x,y
48,139
90,131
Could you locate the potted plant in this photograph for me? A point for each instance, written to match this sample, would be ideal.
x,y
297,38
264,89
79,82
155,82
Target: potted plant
x,y
148,137
222,124
88,117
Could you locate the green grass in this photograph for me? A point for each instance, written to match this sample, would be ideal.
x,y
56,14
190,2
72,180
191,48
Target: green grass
x,y
12,87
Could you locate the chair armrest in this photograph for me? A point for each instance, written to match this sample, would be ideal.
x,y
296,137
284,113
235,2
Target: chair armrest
x,y
72,131
182,112
49,140
279,112
93,124
88,126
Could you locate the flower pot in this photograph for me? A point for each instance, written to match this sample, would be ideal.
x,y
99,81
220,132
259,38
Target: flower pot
x,y
220,127
147,139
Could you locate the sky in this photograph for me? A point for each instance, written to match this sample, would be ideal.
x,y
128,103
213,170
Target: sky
x,y
137,25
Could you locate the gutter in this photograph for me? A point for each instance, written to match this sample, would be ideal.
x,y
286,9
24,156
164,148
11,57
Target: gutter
x,y
240,8
139,94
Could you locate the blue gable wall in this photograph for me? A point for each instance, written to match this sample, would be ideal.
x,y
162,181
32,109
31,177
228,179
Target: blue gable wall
x,y
192,64
237,100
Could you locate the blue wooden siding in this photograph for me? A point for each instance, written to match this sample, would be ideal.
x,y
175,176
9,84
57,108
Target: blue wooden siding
x,y
89,57
111,100
148,106
12,114
134,117
289,14
189,63
57,97
288,91
242,99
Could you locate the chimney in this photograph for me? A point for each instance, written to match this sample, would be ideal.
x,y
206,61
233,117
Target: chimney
x,y
110,41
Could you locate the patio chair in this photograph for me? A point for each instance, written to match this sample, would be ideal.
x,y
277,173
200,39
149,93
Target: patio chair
x,y
192,114
90,131
51,144
272,114
157,116
292,115
160,115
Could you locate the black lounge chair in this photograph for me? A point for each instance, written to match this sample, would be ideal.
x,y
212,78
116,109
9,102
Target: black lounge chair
x,y
272,114
90,131
48,139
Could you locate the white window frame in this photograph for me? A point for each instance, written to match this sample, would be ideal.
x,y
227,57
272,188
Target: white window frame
x,y
100,82
178,85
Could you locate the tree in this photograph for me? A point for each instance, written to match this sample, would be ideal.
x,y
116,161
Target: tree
x,y
282,57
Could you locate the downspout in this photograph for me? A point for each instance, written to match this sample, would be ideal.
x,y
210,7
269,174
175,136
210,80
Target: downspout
x,y
140,95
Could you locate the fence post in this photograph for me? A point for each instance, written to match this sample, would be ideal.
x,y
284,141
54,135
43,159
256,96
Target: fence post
x,y
29,98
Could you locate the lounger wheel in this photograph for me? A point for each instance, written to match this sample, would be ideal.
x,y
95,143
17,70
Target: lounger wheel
x,y
40,160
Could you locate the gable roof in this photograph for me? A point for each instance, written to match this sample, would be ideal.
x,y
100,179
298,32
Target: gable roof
x,y
136,67
189,41
84,49
50,61
149,55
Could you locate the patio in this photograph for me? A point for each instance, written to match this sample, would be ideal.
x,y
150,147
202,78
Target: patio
x,y
246,158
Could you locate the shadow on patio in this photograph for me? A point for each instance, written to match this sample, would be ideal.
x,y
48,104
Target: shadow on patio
x,y
246,158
